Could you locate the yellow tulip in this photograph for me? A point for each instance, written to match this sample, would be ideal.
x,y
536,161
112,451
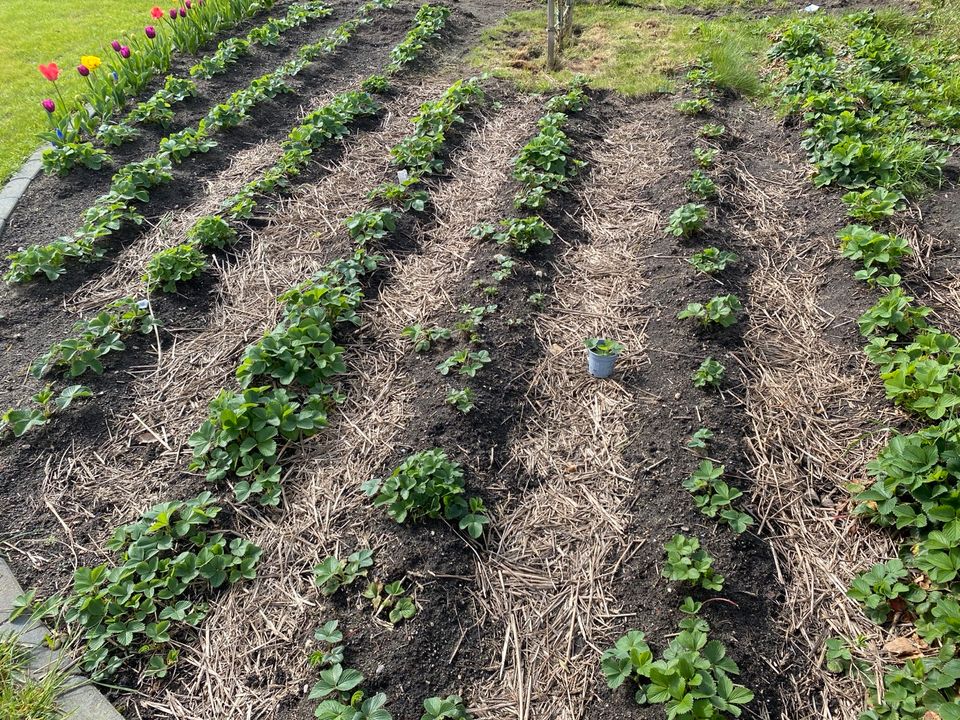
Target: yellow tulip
x,y
91,62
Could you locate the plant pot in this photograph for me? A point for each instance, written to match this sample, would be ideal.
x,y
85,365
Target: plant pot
x,y
600,366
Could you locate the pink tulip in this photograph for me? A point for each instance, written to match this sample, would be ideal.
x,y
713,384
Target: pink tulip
x,y
124,52
49,105
183,12
115,45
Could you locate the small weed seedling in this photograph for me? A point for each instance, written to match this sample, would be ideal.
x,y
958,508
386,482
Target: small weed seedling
x,y
333,573
474,315
720,310
428,485
709,374
392,599
699,440
687,562
687,220
712,260
701,185
462,400
423,338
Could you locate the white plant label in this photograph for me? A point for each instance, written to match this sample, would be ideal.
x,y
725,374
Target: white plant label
x,y
403,176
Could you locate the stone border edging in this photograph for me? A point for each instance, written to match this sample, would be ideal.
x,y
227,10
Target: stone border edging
x,y
82,702
17,185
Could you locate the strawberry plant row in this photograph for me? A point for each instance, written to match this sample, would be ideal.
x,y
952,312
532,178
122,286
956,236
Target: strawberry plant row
x,y
876,118
132,183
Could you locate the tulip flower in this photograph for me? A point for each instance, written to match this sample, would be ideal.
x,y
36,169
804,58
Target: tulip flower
x,y
51,72
91,62
83,70
115,45
183,12
156,12
188,4
49,105
124,52
150,31
173,13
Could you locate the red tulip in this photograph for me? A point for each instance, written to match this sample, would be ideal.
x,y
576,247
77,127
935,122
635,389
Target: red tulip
x,y
49,105
157,13
51,72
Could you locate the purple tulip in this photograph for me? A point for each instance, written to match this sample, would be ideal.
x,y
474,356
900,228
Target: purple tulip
x,y
124,52
83,70
173,13
183,12
115,45
151,31
188,4
49,105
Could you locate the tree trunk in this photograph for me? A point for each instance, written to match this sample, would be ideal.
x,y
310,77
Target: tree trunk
x,y
566,25
552,35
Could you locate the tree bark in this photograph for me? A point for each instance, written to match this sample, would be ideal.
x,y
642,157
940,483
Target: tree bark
x,y
551,35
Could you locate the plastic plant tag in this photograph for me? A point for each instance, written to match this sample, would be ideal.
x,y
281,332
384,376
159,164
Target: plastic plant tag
x,y
403,176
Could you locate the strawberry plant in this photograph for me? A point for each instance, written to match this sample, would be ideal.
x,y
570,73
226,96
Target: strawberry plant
x,y
128,612
403,194
714,497
687,562
392,599
519,234
173,265
242,435
872,205
473,321
602,346
691,680
545,164
423,338
116,134
376,85
894,312
574,100
709,374
706,157
720,310
95,338
69,155
20,421
465,362
875,250
428,23
695,106
428,485
368,225
449,708
332,573
211,231
699,440
687,220
712,260
462,399
701,185
712,130
883,587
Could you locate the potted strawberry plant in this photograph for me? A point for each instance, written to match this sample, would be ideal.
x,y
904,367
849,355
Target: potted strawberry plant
x,y
601,356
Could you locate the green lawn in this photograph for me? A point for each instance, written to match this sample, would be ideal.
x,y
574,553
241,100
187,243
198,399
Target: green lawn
x,y
42,31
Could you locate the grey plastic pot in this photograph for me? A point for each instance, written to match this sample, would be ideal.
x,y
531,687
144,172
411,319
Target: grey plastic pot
x,y
600,366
